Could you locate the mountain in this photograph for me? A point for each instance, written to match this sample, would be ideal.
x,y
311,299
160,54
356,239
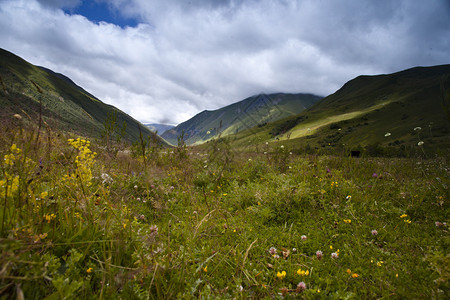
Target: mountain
x,y
401,109
65,105
257,110
160,128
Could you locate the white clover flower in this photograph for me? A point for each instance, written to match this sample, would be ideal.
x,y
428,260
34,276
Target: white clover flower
x,y
417,128
387,134
420,143
282,147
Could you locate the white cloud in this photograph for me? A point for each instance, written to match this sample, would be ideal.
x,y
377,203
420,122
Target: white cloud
x,y
185,57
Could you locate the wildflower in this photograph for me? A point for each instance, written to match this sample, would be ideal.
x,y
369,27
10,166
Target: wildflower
x,y
267,143
403,216
281,275
331,247
407,221
417,128
319,254
334,255
89,270
135,187
439,224
348,271
380,263
225,194
301,286
290,153
124,225
387,134
282,147
348,197
49,217
142,217
273,250
420,143
205,269
294,250
348,221
300,272
354,275
374,175
154,229
303,237
208,132
374,232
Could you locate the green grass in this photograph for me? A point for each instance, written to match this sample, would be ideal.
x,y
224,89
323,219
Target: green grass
x,y
196,223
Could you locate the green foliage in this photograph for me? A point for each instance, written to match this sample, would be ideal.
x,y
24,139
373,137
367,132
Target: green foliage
x,y
218,223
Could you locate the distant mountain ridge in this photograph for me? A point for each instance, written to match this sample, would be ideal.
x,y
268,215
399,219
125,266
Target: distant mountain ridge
x,y
65,105
257,110
403,109
159,128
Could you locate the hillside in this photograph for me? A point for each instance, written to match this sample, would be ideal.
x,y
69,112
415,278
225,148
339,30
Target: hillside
x,y
254,111
392,110
65,105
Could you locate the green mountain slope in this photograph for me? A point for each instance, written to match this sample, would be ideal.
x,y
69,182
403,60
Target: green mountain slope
x,y
393,110
254,111
65,105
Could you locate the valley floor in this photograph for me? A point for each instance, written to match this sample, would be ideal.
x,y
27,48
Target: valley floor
x,y
82,221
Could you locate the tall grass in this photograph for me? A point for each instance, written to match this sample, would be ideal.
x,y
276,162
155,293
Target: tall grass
x,y
79,222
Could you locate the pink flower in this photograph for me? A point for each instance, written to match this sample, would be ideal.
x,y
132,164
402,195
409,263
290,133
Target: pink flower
x,y
319,254
273,250
301,286
374,232
334,255
303,237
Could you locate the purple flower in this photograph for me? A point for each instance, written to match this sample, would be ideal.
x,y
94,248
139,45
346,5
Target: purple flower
x,y
273,250
301,286
374,175
328,170
319,254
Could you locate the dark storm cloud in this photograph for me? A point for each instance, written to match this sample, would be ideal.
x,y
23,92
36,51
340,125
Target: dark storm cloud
x,y
187,56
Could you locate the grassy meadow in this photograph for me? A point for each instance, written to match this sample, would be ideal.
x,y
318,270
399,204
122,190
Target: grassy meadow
x,y
81,221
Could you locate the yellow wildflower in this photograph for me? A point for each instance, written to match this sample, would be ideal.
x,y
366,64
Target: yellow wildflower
x,y
403,216
89,270
205,269
348,221
281,275
354,275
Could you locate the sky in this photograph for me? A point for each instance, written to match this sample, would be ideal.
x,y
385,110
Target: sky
x,y
164,61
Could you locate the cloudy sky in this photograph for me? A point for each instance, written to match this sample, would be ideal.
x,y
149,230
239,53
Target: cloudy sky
x,y
163,61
